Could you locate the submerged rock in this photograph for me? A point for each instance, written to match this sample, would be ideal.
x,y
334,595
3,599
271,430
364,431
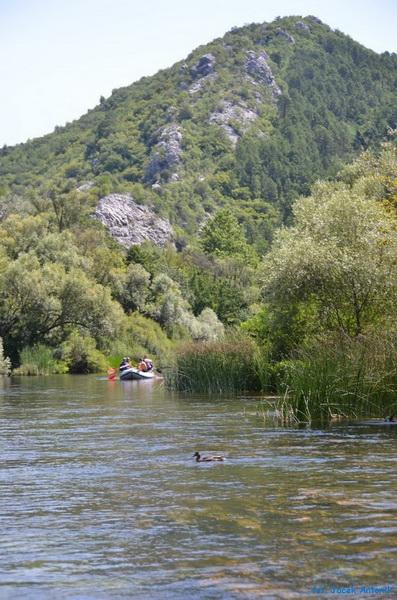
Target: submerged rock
x,y
130,223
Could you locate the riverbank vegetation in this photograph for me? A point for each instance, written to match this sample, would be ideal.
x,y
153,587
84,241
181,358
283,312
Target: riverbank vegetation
x,y
312,321
325,330
281,272
230,365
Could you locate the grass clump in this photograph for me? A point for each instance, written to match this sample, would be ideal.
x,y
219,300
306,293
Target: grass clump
x,y
39,360
228,366
341,377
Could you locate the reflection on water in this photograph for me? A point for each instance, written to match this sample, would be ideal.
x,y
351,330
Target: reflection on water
x,y
101,498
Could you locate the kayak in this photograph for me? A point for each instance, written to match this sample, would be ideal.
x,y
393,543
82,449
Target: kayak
x,y
133,373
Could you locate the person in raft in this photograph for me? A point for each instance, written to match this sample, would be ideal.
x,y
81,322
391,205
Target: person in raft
x,y
125,364
145,365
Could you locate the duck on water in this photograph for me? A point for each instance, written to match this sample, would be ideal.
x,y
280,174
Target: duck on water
x,y
200,458
388,420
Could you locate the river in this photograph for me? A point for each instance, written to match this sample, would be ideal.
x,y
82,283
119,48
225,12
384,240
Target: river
x,y
101,498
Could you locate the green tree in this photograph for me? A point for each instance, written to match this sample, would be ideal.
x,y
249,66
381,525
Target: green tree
x,y
44,302
135,289
341,254
223,237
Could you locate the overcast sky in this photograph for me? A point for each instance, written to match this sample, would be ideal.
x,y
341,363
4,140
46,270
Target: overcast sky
x,y
57,57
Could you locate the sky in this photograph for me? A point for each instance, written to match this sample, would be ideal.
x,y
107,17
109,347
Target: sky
x,y
57,57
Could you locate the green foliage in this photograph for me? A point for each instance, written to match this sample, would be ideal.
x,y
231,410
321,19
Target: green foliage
x,y
337,98
42,302
5,363
374,174
223,237
226,286
341,252
80,354
340,376
135,290
39,360
330,282
223,158
142,336
148,255
208,327
228,366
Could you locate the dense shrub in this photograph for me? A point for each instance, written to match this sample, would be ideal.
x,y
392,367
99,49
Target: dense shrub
x,y
81,355
5,363
39,360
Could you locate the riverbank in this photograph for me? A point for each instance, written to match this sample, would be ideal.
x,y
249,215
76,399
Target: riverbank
x,y
334,377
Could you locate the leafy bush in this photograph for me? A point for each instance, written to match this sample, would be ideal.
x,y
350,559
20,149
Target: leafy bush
x,y
39,360
81,355
142,336
5,363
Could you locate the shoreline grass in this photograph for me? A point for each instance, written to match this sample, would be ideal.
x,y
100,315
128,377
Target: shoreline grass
x,y
228,366
341,378
334,378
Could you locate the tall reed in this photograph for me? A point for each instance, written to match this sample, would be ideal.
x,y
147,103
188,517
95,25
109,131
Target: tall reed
x,y
228,366
342,377
37,360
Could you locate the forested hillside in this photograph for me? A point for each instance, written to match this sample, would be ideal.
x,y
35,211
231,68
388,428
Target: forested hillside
x,y
227,147
250,121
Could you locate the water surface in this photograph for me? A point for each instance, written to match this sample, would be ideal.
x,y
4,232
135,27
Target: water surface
x,y
100,498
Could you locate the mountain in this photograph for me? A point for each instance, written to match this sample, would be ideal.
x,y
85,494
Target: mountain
x,y
249,120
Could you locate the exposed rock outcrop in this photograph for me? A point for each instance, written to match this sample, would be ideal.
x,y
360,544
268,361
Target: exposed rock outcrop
x,y
258,68
318,21
204,66
166,154
315,19
202,72
198,85
86,186
228,115
283,34
130,223
301,26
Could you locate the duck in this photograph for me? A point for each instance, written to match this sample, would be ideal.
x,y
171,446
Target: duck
x,y
390,419
200,458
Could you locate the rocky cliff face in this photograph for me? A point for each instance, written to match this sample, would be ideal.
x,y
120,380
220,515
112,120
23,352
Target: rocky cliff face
x,y
164,135
283,34
259,71
166,155
204,66
130,223
228,115
301,26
